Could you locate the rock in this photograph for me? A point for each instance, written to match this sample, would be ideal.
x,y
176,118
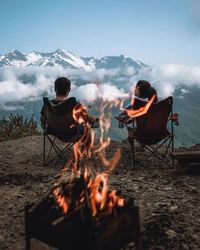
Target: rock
x,y
167,188
173,208
184,246
171,233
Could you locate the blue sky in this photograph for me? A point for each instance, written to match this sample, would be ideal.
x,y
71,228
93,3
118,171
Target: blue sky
x,y
153,31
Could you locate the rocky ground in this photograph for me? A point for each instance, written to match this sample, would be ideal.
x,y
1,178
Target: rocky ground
x,y
168,198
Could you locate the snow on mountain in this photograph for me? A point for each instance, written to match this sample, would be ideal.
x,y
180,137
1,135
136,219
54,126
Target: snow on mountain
x,y
67,60
33,57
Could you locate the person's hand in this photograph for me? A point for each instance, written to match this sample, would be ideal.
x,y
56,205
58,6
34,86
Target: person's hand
x,y
95,123
120,124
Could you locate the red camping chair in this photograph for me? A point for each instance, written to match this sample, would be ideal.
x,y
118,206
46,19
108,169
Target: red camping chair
x,y
152,132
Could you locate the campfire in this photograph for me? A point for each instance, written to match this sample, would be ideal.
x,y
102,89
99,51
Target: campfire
x,y
80,212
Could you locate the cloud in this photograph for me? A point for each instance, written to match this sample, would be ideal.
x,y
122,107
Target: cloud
x,y
30,83
167,78
14,89
87,92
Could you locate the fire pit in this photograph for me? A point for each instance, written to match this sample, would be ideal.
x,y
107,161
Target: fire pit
x,y
87,224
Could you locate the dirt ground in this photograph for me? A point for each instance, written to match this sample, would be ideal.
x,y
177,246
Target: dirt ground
x,y
169,199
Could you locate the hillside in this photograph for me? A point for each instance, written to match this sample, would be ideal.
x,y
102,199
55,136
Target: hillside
x,y
168,198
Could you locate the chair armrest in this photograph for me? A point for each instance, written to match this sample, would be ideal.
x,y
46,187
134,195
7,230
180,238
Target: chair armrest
x,y
174,118
124,122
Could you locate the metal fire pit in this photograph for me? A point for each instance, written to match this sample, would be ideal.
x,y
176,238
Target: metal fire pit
x,y
79,230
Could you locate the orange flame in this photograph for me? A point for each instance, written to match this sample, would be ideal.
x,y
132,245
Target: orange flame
x,y
141,111
79,114
110,164
62,201
100,198
85,144
96,192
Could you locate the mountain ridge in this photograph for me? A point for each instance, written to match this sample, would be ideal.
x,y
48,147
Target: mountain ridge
x,y
67,60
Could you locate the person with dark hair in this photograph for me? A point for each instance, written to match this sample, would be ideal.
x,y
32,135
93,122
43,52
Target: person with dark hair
x,y
144,90
141,89
62,87
76,115
143,93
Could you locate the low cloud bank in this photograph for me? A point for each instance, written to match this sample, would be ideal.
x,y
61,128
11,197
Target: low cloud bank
x,y
30,83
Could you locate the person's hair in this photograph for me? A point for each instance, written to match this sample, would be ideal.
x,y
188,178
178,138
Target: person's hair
x,y
62,85
143,87
152,91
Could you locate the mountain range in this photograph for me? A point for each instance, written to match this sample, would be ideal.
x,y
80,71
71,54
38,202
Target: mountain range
x,y
186,103
67,60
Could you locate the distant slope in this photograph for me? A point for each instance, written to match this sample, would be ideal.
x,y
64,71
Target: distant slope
x,y
67,60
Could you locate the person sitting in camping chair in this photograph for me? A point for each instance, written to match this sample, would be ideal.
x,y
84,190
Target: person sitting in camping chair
x,y
148,125
143,93
65,118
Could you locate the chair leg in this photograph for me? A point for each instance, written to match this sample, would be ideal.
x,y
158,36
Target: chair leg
x,y
172,151
60,152
27,229
154,151
133,149
44,149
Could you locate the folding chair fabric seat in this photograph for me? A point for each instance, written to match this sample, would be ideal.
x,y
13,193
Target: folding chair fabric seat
x,y
68,135
151,129
59,123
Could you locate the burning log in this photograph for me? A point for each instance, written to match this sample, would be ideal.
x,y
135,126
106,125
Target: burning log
x,y
77,226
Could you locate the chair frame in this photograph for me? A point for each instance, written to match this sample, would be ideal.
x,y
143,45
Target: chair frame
x,y
60,152
153,148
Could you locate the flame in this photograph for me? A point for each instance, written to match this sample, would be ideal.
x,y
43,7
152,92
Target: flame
x,y
61,200
114,201
98,193
99,197
85,144
110,164
79,114
141,111
95,191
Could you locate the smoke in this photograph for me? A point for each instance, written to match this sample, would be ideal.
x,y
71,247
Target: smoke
x,y
30,83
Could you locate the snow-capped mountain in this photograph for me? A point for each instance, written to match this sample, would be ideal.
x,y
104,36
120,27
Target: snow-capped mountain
x,y
67,60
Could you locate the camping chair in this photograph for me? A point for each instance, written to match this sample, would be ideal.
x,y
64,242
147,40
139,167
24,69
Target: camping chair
x,y
152,132
56,130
